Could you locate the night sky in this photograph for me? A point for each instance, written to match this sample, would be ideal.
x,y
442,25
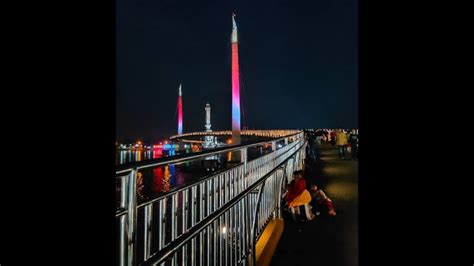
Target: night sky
x,y
298,63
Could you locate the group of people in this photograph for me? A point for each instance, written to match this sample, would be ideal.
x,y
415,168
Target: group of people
x,y
301,202
346,142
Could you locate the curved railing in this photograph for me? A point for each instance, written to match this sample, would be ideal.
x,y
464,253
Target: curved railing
x,y
192,224
275,133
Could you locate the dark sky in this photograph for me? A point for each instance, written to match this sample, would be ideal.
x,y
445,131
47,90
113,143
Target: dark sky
x,y
298,62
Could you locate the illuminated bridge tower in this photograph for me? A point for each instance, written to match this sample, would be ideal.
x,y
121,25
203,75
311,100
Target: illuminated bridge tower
x,y
180,112
209,141
235,85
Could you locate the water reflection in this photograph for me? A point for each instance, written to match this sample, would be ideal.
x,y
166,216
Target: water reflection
x,y
153,182
172,175
166,180
140,186
128,156
158,179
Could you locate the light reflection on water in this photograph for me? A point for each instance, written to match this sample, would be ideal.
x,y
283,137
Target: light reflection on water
x,y
153,182
161,179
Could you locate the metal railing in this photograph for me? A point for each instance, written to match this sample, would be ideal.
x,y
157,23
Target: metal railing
x,y
261,133
207,222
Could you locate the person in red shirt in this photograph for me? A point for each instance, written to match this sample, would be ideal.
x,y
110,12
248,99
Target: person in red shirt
x,y
297,198
320,198
296,187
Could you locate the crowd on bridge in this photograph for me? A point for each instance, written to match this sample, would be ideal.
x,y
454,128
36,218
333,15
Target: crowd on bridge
x,y
347,141
305,203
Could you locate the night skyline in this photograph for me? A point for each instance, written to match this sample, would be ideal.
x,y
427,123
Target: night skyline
x,y
298,65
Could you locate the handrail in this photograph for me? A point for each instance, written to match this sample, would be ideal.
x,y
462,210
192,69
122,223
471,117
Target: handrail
x,y
190,184
172,247
120,169
197,182
246,132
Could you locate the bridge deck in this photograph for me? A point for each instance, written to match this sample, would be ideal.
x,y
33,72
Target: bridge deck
x,y
325,241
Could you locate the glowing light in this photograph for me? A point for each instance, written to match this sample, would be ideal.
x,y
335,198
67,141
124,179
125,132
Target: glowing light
x,y
180,112
235,80
158,179
224,230
157,153
229,141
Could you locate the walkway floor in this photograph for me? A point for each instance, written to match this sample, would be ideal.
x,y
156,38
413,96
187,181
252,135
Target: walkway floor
x,y
325,241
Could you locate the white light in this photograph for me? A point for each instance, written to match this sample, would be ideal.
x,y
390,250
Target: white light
x,y
224,230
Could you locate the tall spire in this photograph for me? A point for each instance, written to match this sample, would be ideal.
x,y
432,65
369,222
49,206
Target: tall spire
x,y
180,112
234,29
235,86
208,117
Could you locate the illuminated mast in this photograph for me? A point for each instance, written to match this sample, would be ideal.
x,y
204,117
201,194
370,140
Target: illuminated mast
x,y
209,141
180,112
235,85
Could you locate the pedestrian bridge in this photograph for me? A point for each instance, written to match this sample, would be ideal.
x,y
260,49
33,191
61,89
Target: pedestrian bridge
x,y
228,218
259,133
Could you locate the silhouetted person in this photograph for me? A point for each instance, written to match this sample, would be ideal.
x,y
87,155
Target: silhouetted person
x,y
354,141
341,141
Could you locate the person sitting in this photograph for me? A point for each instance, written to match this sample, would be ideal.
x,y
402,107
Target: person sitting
x,y
298,197
319,198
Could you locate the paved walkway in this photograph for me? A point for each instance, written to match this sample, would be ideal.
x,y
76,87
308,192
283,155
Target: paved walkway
x,y
325,241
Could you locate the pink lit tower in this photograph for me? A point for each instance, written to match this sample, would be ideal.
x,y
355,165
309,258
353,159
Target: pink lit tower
x,y
235,86
180,112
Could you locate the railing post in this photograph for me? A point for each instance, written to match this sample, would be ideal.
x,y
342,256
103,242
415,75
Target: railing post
x,y
123,221
147,231
255,223
279,181
132,217
123,236
123,190
243,159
